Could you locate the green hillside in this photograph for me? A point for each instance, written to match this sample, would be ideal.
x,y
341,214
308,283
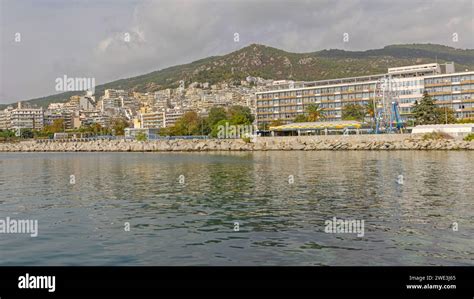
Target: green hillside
x,y
272,63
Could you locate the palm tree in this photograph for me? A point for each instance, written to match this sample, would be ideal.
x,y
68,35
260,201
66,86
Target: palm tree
x,y
353,112
315,112
370,109
300,118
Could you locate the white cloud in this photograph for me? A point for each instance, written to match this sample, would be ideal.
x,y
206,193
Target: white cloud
x,y
87,38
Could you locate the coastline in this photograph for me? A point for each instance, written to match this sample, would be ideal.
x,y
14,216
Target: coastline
x,y
306,143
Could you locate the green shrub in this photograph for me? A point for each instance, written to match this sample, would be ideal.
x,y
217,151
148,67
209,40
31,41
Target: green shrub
x,y
436,136
140,137
246,139
469,137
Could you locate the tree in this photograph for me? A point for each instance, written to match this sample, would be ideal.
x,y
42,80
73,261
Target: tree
x,y
27,133
140,136
204,127
300,118
7,133
315,112
276,123
370,109
220,124
234,116
240,115
445,115
56,127
216,114
188,124
425,112
118,125
165,132
240,119
95,129
353,112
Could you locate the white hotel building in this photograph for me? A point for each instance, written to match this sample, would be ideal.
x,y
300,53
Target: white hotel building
x,y
21,118
448,88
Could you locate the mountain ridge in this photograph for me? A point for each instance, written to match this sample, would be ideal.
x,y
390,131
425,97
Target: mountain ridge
x,y
273,63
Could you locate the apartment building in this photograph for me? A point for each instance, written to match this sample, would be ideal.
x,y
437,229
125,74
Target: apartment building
x,y
171,116
4,119
111,103
51,115
86,103
153,120
402,84
455,91
114,93
26,118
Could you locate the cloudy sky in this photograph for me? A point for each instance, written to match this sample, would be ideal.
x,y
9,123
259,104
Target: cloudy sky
x,y
89,38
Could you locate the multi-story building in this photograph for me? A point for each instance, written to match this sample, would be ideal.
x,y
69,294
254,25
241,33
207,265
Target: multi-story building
x,y
286,102
86,103
111,103
51,115
5,122
56,106
26,118
171,116
153,120
113,99
73,103
129,103
455,91
114,93
406,84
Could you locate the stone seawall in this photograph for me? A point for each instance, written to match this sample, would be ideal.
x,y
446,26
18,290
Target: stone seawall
x,y
308,143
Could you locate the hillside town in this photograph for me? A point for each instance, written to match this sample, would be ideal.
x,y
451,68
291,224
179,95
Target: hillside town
x,y
139,110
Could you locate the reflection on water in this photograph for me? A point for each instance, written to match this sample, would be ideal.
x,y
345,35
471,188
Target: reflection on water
x,y
192,222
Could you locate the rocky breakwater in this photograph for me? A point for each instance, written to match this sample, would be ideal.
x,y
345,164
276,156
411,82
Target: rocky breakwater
x,y
308,143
